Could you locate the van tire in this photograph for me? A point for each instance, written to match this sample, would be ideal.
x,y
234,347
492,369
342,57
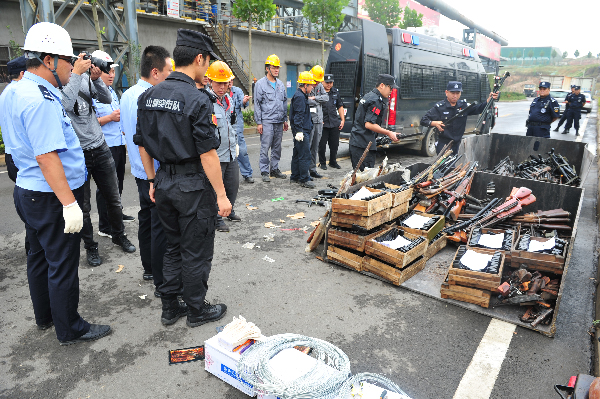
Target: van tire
x,y
428,144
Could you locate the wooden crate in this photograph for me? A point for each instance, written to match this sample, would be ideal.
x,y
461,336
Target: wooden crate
x,y
390,273
351,240
428,234
360,207
367,222
507,254
401,197
538,261
466,294
392,256
399,210
475,279
436,246
347,258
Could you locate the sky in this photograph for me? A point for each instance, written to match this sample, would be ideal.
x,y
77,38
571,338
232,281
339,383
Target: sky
x,y
566,24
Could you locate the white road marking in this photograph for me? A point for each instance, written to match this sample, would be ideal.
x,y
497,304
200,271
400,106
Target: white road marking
x,y
6,171
480,377
582,129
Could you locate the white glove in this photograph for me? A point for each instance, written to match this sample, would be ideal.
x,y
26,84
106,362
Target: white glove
x,y
299,136
237,150
73,218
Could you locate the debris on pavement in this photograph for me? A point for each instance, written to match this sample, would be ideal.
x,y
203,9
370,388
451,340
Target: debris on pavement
x,y
186,355
269,237
277,199
299,215
119,269
143,296
268,259
248,245
251,207
270,225
315,223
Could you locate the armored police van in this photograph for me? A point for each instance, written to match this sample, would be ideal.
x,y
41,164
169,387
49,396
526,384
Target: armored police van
x,y
422,66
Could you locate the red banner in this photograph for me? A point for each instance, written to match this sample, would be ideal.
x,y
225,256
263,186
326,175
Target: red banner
x,y
487,47
430,17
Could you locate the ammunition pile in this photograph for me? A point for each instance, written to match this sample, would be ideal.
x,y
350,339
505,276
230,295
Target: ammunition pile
x,y
476,235
492,266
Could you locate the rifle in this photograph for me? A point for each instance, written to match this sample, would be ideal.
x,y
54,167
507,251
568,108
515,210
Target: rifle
x,y
456,200
518,198
486,115
454,232
458,114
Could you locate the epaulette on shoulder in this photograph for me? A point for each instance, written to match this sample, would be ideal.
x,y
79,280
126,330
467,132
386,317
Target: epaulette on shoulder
x,y
439,103
47,95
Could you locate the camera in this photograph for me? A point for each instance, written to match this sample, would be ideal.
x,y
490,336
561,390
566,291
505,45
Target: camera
x,y
101,64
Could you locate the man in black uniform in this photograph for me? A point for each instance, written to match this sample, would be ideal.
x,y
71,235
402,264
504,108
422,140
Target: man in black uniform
x,y
333,122
563,118
176,126
542,112
446,109
576,103
367,122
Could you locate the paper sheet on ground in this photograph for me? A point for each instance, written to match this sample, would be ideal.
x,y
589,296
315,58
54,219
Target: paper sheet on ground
x,y
360,194
491,240
416,221
537,246
396,243
475,261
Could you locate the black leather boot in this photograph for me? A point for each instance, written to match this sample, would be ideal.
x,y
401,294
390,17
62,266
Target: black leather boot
x,y
207,314
172,310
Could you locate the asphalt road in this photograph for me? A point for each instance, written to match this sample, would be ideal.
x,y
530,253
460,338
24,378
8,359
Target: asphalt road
x,y
426,346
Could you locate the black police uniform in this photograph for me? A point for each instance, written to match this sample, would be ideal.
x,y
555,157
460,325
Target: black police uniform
x,y
331,127
576,103
175,126
564,115
301,122
371,108
542,111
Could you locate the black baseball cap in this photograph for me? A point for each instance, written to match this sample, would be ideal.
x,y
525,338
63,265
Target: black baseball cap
x,y
454,85
387,80
545,85
16,66
577,87
196,40
328,77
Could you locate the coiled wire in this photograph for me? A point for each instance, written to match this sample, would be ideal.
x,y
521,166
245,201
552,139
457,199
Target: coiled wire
x,y
352,387
319,382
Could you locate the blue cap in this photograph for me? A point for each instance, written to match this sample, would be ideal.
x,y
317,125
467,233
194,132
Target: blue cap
x,y
454,86
544,85
16,66
572,86
576,87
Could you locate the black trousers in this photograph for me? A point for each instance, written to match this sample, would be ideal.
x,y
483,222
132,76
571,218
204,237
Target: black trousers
x,y
563,118
186,207
52,262
119,154
101,166
538,131
301,159
573,117
443,141
331,136
151,236
356,153
230,172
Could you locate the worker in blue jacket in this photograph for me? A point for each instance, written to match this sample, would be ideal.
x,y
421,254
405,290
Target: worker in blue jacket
x,y
302,124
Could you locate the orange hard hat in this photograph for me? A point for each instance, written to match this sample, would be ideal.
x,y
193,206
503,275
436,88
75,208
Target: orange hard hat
x,y
318,73
273,60
219,71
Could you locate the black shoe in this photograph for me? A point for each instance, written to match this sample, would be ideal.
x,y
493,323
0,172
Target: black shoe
x,y
93,258
96,331
127,218
124,243
157,293
277,173
555,130
335,165
576,132
148,276
265,177
323,166
172,310
316,175
294,181
207,314
565,132
248,179
234,218
45,326
221,226
307,184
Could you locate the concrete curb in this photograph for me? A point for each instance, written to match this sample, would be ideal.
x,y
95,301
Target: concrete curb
x,y
596,344
250,131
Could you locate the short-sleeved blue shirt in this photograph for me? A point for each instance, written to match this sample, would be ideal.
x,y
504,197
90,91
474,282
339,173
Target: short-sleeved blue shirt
x,y
112,130
35,114
7,133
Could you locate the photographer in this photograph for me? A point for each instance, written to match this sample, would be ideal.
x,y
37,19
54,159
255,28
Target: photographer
x,y
77,96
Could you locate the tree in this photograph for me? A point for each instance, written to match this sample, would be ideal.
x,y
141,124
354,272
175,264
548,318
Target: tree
x,y
411,19
598,55
385,12
565,54
511,55
554,53
254,12
589,54
542,54
530,55
576,53
327,16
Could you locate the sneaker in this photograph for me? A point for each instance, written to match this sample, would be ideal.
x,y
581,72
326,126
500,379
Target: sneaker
x,y
96,331
316,175
576,132
293,181
335,165
555,130
265,177
277,173
104,234
172,310
93,258
207,314
127,218
323,166
307,184
565,132
124,243
45,326
234,218
248,179
148,276
221,226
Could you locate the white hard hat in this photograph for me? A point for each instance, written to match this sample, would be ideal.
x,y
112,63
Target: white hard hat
x,y
104,56
46,37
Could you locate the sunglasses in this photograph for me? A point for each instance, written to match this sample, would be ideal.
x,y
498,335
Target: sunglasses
x,y
70,60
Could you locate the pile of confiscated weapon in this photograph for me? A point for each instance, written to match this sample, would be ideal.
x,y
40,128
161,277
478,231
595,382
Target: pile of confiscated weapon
x,y
554,169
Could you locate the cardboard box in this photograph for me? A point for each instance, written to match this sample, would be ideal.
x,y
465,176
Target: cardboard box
x,y
224,364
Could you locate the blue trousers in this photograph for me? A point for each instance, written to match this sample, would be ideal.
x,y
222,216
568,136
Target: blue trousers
x,y
538,131
573,117
301,159
52,262
243,158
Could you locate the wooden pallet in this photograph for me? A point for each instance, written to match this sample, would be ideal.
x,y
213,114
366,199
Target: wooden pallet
x,y
466,294
360,207
475,279
507,254
390,273
394,257
538,261
436,246
367,222
351,240
428,234
350,259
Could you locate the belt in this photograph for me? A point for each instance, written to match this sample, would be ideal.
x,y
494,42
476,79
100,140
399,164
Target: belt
x,y
539,124
183,168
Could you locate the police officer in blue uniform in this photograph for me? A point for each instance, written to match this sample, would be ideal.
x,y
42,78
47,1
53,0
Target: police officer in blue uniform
x,y
49,188
176,126
564,115
446,109
576,103
542,112
333,122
